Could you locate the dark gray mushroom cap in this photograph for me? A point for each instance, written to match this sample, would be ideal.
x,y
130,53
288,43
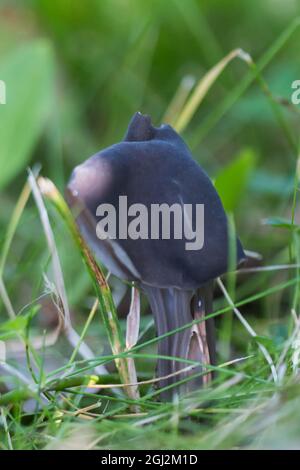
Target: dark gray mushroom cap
x,y
151,166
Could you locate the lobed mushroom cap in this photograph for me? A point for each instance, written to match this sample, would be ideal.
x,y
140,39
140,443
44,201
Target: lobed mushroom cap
x,y
152,165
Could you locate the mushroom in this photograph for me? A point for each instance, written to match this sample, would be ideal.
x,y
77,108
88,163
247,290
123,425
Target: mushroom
x,y
152,166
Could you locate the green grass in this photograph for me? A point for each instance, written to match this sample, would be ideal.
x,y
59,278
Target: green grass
x,y
105,62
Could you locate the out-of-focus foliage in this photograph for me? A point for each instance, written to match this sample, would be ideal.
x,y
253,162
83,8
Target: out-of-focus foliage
x,y
28,73
231,182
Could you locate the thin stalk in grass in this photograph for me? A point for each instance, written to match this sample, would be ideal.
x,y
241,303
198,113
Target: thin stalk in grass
x,y
6,430
6,300
294,242
86,326
226,328
250,331
296,294
12,226
180,97
106,303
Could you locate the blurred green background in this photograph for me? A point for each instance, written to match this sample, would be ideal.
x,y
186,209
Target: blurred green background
x,y
76,72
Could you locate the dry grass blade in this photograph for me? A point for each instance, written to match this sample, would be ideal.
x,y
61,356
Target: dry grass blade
x,y
180,97
60,291
202,88
133,319
106,303
132,334
57,271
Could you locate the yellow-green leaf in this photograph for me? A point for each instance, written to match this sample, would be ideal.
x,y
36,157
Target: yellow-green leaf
x,y
232,180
